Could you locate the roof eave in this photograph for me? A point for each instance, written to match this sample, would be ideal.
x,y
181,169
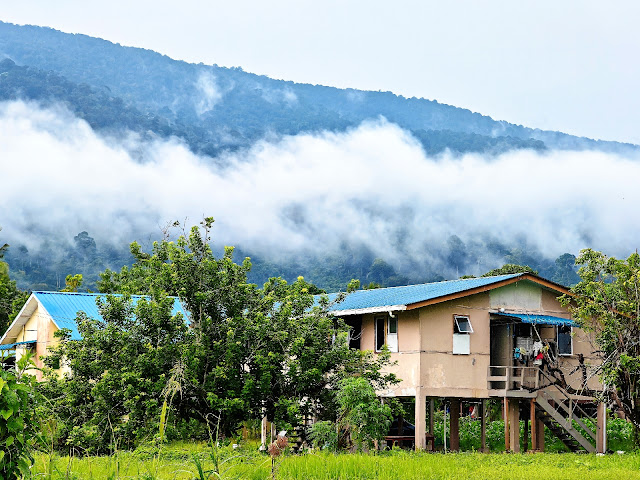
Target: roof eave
x,y
364,311
18,318
485,288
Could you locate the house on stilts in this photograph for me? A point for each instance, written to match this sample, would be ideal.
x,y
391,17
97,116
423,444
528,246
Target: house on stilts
x,y
467,341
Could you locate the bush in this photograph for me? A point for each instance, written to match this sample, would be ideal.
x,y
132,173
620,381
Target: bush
x,y
18,422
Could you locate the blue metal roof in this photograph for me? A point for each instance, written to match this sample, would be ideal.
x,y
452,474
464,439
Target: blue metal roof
x,y
392,296
64,307
11,346
541,319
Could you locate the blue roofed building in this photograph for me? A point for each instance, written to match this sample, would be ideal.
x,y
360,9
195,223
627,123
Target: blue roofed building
x,y
469,340
44,313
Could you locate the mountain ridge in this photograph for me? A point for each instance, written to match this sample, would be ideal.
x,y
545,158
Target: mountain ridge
x,y
237,108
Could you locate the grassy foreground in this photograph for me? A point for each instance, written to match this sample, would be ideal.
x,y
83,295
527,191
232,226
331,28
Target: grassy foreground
x,y
179,461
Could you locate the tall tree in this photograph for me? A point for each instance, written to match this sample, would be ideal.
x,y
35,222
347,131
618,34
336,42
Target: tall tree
x,y
606,301
254,351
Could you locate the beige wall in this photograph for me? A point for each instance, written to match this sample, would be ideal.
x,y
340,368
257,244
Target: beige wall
x,y
442,372
425,340
41,328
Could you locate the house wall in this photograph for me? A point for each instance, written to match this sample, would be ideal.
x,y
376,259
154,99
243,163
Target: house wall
x,y
41,328
443,373
426,361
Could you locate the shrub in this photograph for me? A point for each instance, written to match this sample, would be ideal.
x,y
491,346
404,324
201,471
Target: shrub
x,y
18,422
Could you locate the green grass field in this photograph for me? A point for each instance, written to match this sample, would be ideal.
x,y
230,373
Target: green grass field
x,y
179,461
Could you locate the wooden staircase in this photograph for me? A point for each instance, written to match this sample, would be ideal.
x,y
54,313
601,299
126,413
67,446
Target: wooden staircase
x,y
562,415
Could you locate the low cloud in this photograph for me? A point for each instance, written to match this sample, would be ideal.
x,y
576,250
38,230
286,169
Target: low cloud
x,y
372,186
208,93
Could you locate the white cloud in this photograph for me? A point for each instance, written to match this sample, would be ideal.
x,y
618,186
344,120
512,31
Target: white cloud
x,y
370,186
209,93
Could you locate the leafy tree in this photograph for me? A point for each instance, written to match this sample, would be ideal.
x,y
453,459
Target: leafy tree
x,y
11,298
361,413
361,419
606,302
254,351
509,268
113,394
72,283
18,421
564,271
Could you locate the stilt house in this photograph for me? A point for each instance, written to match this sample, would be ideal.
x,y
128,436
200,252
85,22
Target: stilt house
x,y
467,341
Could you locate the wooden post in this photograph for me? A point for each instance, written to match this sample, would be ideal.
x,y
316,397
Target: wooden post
x,y
514,425
482,410
601,430
540,446
505,416
525,440
454,424
420,420
534,426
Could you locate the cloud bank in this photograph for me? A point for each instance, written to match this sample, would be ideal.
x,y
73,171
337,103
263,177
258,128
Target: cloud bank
x,y
372,186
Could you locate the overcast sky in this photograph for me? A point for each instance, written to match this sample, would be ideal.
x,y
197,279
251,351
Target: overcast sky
x,y
562,65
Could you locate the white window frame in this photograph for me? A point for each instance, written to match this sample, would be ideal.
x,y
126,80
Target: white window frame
x,y
386,327
461,339
558,340
457,325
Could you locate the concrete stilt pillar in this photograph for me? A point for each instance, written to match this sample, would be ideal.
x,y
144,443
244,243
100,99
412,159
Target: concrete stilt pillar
x,y
420,419
601,430
454,424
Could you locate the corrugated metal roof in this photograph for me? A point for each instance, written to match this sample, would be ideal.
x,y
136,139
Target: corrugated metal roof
x,y
11,346
64,307
541,319
400,297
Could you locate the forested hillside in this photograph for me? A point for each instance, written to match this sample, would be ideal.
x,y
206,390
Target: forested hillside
x,y
217,108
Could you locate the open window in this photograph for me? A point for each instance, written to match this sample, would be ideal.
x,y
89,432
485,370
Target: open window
x,y
565,340
462,330
386,329
462,324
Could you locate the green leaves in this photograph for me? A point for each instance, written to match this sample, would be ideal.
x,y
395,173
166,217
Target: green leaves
x,y
18,421
607,302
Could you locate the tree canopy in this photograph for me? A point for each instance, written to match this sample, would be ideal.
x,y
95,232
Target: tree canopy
x,y
606,302
245,351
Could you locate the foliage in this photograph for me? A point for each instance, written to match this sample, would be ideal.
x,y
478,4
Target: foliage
x,y
72,283
112,398
324,435
18,421
361,413
606,302
11,298
509,268
248,351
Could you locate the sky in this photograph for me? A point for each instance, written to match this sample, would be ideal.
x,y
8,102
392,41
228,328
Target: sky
x,y
560,65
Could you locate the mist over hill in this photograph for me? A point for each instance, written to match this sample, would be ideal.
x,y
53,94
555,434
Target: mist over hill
x,y
106,144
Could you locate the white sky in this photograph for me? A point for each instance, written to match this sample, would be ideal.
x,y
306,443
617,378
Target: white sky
x,y
562,65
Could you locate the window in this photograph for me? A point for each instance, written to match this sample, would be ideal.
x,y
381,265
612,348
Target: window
x,y
386,329
565,340
462,324
462,331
